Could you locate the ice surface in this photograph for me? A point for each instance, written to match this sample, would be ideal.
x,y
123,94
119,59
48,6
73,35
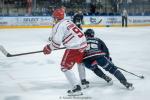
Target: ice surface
x,y
38,77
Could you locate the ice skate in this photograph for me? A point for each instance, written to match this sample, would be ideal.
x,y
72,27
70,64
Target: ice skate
x,y
107,79
76,91
128,85
85,83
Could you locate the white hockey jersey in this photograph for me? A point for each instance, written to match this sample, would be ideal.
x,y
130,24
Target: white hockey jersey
x,y
67,33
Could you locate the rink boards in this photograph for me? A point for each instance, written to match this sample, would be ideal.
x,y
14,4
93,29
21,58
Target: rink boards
x,y
89,21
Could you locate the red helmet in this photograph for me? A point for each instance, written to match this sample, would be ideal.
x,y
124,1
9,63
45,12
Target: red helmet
x,y
58,14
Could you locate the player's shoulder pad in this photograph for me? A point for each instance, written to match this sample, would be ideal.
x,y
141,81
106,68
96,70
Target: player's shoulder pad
x,y
96,38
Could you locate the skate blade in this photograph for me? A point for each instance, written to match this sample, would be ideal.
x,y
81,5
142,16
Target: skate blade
x,y
85,86
79,93
110,83
131,88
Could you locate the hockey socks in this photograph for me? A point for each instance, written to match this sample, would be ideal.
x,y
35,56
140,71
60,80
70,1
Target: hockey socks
x,y
100,73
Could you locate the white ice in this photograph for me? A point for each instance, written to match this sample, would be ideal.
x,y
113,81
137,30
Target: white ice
x,y
38,77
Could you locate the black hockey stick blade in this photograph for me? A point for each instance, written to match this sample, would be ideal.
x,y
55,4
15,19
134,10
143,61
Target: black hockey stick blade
x,y
142,77
4,51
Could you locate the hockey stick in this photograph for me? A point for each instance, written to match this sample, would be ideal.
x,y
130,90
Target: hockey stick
x,y
140,76
7,54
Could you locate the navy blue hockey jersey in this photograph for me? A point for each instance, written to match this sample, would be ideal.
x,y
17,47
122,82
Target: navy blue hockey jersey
x,y
96,47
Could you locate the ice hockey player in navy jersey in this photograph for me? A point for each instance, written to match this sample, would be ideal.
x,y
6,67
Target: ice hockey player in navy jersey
x,y
96,54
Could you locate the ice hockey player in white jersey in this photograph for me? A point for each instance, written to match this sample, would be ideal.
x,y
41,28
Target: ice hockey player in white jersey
x,y
67,33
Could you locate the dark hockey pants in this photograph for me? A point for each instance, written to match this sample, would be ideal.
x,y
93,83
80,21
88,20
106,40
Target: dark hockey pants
x,y
105,64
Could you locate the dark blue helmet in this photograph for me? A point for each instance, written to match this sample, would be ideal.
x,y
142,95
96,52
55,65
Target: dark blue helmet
x,y
89,33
